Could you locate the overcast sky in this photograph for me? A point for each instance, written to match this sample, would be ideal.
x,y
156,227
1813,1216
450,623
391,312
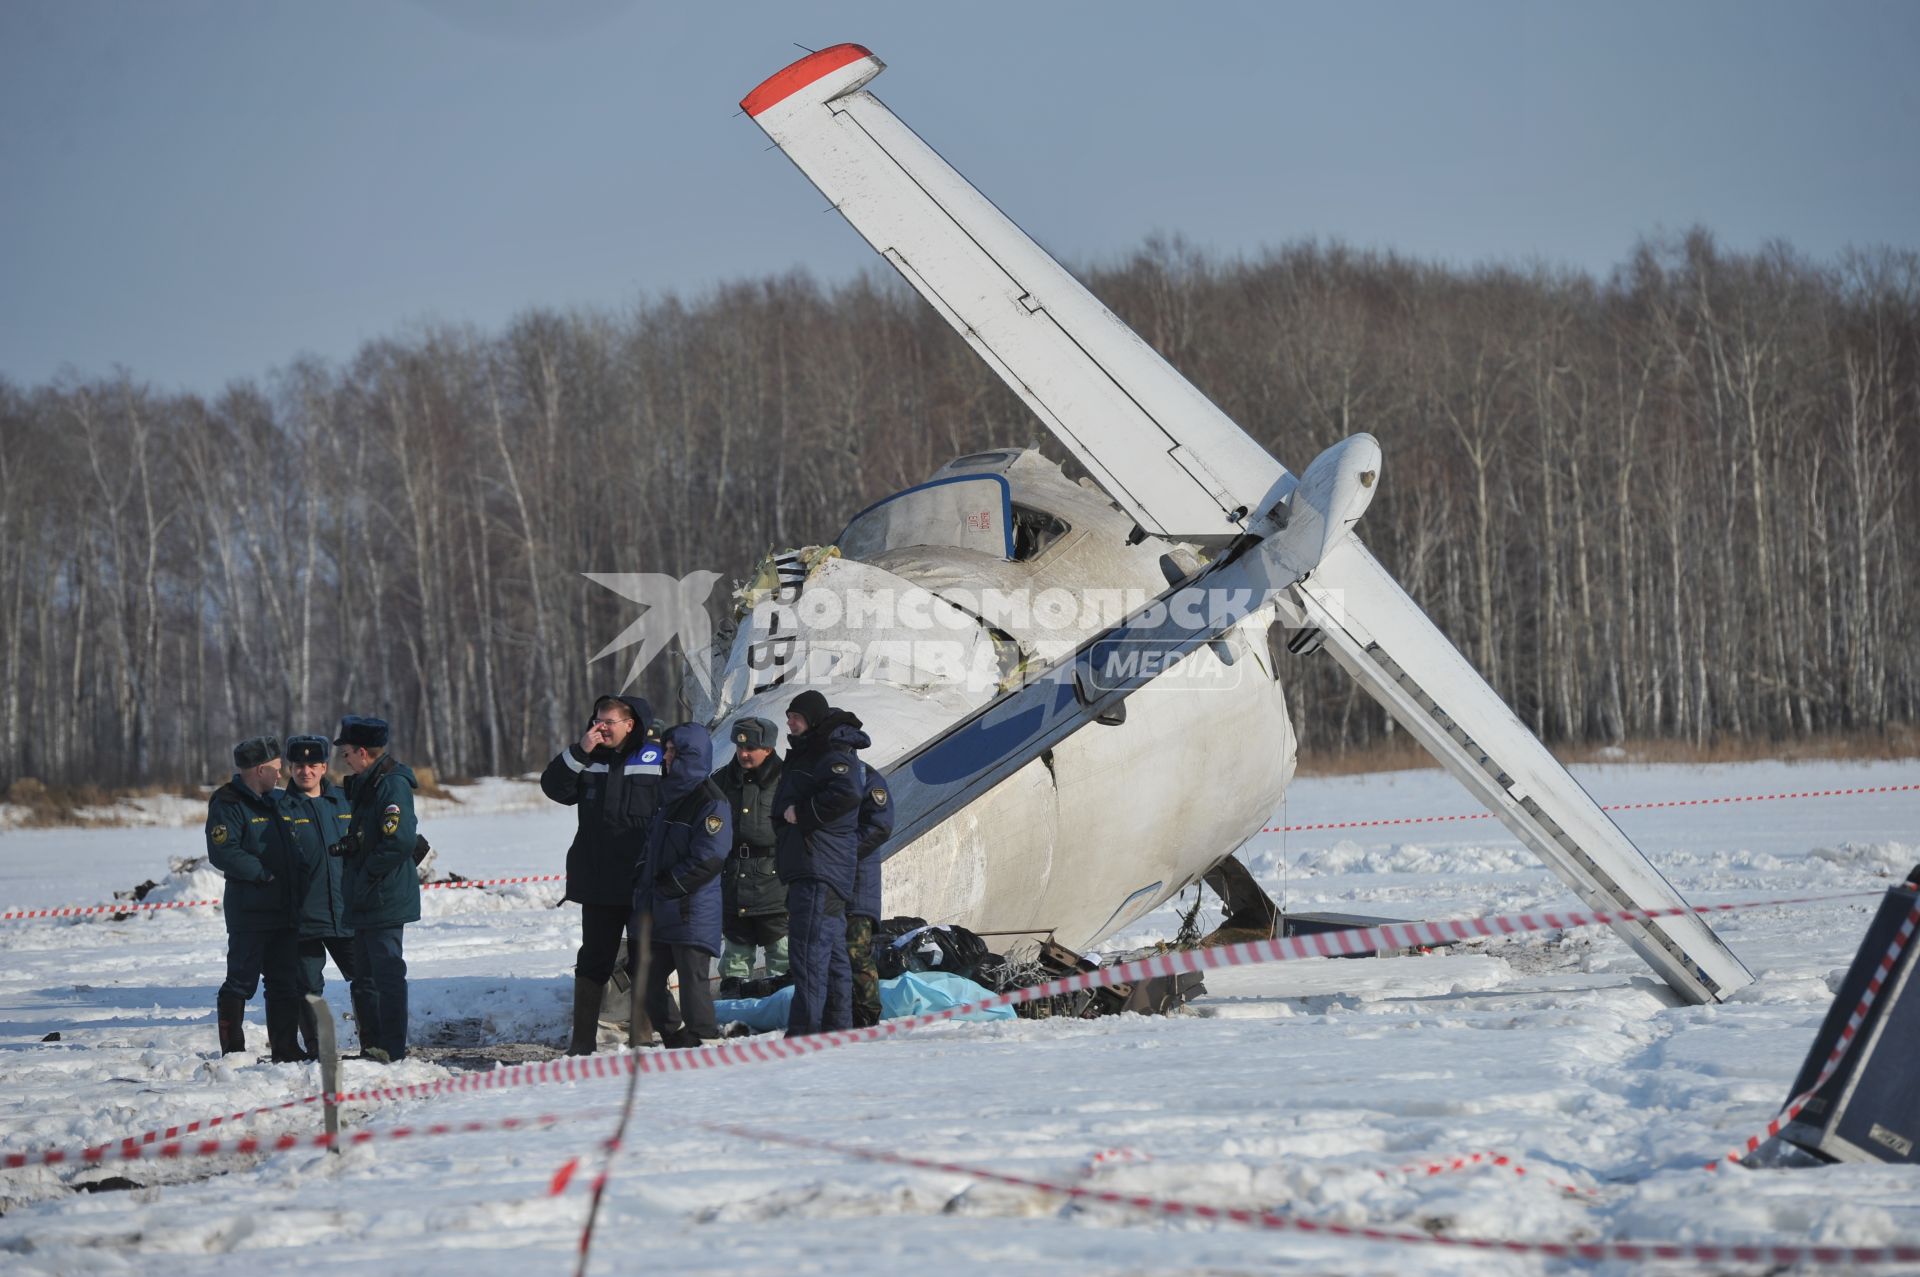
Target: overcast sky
x,y
202,191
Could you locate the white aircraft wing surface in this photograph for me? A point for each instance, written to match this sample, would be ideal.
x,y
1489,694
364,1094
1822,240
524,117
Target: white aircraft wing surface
x,y
1158,446
1380,636
1183,469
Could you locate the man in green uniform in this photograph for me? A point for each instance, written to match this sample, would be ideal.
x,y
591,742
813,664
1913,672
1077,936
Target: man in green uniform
x,y
246,842
317,816
382,887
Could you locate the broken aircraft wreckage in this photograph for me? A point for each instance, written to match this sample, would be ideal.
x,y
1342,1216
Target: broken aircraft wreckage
x,y
1060,768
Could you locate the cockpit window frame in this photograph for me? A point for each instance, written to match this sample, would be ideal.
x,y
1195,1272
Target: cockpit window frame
x,y
1055,538
1006,506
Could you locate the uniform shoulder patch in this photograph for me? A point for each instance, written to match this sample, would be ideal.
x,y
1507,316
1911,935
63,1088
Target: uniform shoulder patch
x,y
391,825
393,809
878,795
219,835
839,769
714,823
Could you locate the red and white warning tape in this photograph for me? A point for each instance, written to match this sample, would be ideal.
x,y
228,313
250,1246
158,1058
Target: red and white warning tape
x,y
133,906
135,1150
1632,1251
1399,935
1857,792
74,911
1469,1160
128,907
1840,1047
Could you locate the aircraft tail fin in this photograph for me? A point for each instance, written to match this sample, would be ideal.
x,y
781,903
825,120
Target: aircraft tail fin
x,y
1159,447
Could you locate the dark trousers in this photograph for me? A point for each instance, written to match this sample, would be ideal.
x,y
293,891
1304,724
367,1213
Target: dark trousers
x,y
377,953
601,927
313,965
866,972
693,965
273,954
817,954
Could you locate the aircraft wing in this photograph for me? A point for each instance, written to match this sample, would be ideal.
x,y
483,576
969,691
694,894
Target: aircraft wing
x,y
1158,446
1382,637
1183,469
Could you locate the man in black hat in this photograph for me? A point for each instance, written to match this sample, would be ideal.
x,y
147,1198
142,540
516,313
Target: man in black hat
x,y
382,887
818,803
247,843
611,777
753,911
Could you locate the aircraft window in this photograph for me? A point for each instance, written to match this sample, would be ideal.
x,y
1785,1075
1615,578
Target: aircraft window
x,y
1033,531
968,512
974,460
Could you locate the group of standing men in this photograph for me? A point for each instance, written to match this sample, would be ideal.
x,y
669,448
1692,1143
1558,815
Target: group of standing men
x,y
690,865
313,870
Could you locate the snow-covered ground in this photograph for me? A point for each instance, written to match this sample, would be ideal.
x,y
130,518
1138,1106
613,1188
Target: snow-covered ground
x,y
1290,1086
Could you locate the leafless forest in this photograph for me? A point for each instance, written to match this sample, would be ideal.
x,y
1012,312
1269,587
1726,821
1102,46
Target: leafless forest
x,y
1678,503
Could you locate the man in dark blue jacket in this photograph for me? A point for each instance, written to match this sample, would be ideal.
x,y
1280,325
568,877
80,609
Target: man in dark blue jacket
x,y
611,777
380,880
687,843
247,843
876,824
818,837
317,816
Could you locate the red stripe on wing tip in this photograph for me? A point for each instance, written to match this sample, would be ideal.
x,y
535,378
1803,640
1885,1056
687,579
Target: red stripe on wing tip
x,y
787,81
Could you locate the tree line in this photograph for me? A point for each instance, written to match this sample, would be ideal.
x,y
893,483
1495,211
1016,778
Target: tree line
x,y
1675,502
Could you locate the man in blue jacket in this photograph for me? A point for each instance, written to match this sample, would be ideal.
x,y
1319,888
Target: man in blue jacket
x,y
317,816
247,843
381,884
611,778
687,844
876,825
818,837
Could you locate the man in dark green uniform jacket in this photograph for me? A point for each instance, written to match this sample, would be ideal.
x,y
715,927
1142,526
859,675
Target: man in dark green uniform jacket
x,y
317,816
382,886
246,842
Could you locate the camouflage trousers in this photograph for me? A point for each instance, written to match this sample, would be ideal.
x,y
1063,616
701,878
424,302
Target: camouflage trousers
x,y
866,975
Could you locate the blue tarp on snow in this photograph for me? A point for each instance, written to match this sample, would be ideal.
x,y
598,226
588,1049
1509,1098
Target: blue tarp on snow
x,y
910,993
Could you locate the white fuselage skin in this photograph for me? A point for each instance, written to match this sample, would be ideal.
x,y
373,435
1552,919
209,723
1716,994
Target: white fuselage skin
x,y
1117,818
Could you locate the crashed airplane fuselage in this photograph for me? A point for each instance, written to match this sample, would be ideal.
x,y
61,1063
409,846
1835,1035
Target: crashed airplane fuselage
x,y
1094,844
933,601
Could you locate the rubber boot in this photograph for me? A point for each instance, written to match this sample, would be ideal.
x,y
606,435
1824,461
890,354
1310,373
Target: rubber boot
x,y
587,995
231,1014
283,1031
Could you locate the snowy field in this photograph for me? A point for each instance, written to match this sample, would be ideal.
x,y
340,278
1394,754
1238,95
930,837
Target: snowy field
x,y
1299,1087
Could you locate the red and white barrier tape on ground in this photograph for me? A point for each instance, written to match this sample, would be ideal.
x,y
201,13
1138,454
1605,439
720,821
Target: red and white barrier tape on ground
x,y
172,1150
1840,1047
1399,935
137,906
75,911
1470,1160
1653,806
1632,1251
